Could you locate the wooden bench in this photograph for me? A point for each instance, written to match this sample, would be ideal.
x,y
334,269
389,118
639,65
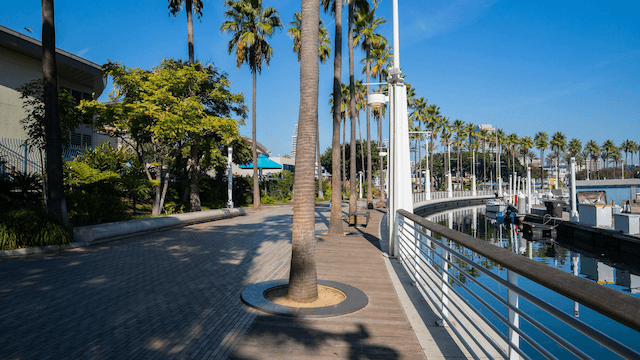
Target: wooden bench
x,y
359,219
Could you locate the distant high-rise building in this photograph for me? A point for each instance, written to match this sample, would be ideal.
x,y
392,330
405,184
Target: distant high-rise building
x,y
294,142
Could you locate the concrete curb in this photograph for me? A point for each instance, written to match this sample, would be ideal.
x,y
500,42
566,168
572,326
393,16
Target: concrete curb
x,y
94,234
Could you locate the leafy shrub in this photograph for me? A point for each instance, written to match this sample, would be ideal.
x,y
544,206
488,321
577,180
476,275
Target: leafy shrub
x,y
267,200
31,227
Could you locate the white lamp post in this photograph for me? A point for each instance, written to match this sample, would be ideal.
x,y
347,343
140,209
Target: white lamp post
x,y
230,179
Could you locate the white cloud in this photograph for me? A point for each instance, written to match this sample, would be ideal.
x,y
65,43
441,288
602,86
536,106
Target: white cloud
x,y
83,51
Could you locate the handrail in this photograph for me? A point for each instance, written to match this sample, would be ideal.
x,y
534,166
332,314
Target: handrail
x,y
620,307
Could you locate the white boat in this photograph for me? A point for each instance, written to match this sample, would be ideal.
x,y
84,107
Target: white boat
x,y
496,206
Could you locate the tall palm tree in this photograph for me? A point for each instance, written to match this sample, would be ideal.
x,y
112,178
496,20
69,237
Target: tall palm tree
x,y
458,127
500,139
616,156
303,280
513,142
484,135
56,203
433,125
365,29
558,141
446,130
608,148
335,219
174,9
419,117
634,148
627,147
594,151
526,143
324,52
575,146
470,131
542,143
250,25
352,5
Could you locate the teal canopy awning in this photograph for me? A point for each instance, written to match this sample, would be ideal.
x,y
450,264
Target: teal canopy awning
x,y
263,163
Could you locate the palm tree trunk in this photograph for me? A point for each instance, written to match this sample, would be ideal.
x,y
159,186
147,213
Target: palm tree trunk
x,y
56,203
344,157
353,199
189,7
303,280
194,190
369,167
431,162
320,192
256,183
335,220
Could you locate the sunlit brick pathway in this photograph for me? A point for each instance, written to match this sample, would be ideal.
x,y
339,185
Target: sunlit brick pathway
x,y
176,294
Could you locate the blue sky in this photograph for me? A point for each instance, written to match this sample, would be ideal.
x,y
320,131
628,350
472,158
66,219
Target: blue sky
x,y
569,66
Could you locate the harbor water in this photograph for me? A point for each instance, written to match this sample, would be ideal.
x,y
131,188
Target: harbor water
x,y
621,276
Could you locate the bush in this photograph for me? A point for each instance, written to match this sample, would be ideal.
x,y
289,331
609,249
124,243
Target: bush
x,y
267,200
31,227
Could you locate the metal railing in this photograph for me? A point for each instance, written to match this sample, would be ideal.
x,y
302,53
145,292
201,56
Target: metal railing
x,y
17,156
437,258
437,195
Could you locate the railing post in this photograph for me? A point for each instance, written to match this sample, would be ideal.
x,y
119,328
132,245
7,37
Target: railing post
x,y
25,155
514,318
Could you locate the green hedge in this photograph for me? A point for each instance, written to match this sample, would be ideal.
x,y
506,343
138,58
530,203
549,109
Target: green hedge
x,y
30,227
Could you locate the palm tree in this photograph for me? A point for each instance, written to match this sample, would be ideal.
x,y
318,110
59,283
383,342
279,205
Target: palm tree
x,y
174,9
513,142
584,155
366,24
594,150
627,147
558,141
335,219
56,203
324,44
616,156
633,149
352,4
433,125
608,149
447,131
484,135
419,117
470,131
251,25
526,143
459,128
575,146
542,143
303,280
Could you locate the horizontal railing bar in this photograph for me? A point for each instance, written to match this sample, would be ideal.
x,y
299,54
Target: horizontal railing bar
x,y
594,334
618,306
584,291
527,338
426,292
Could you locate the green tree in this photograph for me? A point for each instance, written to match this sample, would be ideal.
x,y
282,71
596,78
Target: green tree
x,y
575,146
32,95
250,25
303,281
56,203
627,146
366,35
608,148
153,111
542,143
558,141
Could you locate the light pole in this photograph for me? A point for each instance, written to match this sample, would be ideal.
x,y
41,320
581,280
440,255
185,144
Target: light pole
x,y
230,179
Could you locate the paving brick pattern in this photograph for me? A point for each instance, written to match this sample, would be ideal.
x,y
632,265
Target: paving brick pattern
x,y
172,294
176,295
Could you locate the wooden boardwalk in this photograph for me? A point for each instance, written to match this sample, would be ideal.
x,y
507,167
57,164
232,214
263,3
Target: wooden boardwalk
x,y
379,331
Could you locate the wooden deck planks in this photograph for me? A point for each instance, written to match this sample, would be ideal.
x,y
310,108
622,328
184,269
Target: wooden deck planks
x,y
379,331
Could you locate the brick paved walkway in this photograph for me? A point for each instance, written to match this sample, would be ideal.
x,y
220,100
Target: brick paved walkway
x,y
176,294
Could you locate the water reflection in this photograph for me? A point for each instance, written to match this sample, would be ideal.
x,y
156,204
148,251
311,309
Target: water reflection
x,y
607,271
